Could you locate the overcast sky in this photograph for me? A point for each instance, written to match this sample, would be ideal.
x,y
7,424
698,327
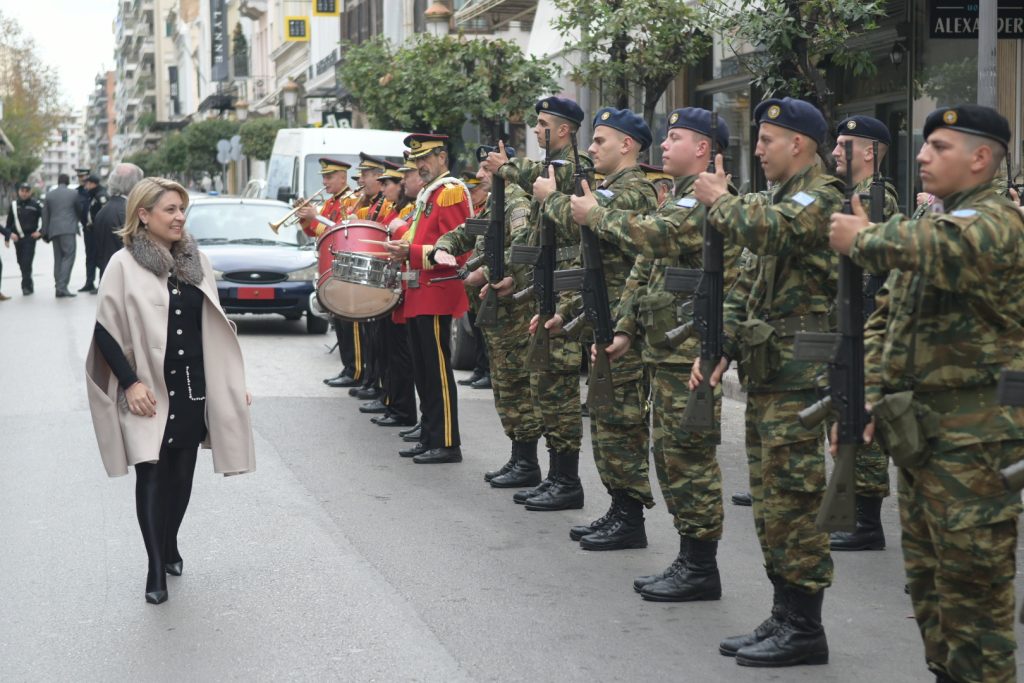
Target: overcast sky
x,y
73,36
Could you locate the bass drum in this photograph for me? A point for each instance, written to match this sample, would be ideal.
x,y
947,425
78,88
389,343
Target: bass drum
x,y
358,281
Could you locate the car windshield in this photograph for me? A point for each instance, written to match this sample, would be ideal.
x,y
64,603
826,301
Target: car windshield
x,y
238,223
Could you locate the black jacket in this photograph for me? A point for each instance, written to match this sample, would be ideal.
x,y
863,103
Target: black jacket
x,y
108,220
29,212
97,200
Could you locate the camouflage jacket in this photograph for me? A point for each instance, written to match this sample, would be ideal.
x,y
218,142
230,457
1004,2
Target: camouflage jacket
x,y
966,267
794,274
671,236
523,172
892,202
517,231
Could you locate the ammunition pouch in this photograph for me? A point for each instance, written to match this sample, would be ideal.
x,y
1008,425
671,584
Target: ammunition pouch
x,y
760,351
906,428
657,313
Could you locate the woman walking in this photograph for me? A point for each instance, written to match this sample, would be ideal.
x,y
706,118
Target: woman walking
x,y
164,371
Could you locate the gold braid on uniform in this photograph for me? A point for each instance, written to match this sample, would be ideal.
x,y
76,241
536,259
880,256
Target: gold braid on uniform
x,y
451,195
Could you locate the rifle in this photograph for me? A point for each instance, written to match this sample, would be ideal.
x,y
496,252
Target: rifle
x,y
844,352
542,258
492,230
1010,185
590,281
708,288
876,196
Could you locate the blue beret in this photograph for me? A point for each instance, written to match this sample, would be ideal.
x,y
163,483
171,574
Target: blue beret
x,y
973,119
797,115
625,121
699,120
864,127
560,106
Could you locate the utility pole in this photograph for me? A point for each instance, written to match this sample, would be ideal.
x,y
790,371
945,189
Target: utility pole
x,y
988,13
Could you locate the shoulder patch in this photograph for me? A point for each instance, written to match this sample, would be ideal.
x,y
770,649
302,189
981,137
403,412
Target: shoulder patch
x,y
687,202
803,199
963,213
559,162
606,193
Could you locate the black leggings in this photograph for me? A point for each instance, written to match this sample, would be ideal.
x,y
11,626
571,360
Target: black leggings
x,y
162,492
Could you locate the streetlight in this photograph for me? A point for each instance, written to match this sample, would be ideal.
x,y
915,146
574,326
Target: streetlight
x,y
290,96
241,110
437,17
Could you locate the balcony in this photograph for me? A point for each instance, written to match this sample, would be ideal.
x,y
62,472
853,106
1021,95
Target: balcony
x,y
253,9
494,15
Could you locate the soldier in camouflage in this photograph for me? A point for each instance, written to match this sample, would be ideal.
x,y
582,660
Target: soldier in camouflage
x,y
952,320
507,341
555,391
689,475
791,290
619,432
872,466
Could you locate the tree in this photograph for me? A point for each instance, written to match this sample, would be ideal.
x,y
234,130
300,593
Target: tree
x,y
796,43
632,45
411,88
32,103
199,146
258,137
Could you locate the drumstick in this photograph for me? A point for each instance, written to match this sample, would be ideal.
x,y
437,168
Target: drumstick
x,y
365,241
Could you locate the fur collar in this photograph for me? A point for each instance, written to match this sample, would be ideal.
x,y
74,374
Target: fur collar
x,y
182,260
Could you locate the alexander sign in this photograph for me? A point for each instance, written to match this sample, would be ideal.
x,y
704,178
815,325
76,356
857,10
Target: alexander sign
x,y
959,19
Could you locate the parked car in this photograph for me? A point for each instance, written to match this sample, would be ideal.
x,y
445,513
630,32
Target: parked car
x,y
257,270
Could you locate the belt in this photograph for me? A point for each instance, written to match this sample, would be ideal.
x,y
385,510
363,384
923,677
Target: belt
x,y
813,322
967,399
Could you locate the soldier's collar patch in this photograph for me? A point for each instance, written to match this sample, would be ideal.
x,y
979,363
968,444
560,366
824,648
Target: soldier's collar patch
x,y
949,117
963,213
774,111
606,193
687,202
803,199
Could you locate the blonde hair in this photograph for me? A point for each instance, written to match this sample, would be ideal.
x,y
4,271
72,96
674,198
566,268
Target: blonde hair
x,y
145,195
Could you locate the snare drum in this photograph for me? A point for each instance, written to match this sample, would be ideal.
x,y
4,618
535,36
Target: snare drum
x,y
358,281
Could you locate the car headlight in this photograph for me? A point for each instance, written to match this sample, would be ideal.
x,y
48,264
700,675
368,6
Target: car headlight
x,y
306,274
218,275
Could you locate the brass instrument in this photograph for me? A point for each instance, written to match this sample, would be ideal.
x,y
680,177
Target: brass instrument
x,y
290,216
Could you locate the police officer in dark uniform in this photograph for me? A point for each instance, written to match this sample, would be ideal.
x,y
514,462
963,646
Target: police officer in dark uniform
x,y
97,198
23,229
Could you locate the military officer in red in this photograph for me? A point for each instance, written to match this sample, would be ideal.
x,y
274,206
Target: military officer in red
x,y
334,173
433,297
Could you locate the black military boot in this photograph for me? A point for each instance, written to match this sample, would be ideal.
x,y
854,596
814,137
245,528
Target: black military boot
x,y
578,532
520,497
696,579
624,531
730,646
799,639
641,581
868,535
565,491
525,471
507,467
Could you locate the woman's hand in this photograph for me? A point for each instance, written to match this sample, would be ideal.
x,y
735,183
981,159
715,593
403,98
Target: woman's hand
x,y
140,400
248,398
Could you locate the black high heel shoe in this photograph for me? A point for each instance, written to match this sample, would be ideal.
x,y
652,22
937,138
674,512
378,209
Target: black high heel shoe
x,y
156,587
174,568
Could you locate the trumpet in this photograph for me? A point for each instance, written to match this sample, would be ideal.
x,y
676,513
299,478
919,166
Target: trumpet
x,y
290,216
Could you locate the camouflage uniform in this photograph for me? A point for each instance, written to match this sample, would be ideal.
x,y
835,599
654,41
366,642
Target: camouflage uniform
x,y
791,285
619,433
507,341
963,272
689,475
555,392
872,466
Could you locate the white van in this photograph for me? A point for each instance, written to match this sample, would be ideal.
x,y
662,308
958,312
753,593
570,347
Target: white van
x,y
294,169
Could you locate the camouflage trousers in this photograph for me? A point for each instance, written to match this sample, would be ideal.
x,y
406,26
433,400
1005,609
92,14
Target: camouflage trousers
x,y
787,484
556,396
871,472
959,541
688,472
620,435
510,382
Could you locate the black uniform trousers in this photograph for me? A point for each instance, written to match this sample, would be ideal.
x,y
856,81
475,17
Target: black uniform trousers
x,y
371,345
347,334
25,249
91,262
399,391
429,337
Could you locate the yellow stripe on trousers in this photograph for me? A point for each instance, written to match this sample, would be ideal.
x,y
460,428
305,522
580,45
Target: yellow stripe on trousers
x,y
444,383
359,352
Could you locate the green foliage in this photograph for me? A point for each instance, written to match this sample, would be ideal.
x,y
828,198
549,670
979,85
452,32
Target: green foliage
x,y
950,82
258,137
199,146
632,44
146,120
31,102
412,87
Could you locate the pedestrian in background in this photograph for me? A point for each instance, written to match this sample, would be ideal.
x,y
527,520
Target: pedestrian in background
x,y
60,224
23,229
185,383
97,196
110,219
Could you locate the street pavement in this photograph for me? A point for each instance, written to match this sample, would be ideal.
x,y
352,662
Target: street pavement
x,y
339,560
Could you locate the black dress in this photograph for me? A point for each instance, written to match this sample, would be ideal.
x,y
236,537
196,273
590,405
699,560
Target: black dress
x,y
183,366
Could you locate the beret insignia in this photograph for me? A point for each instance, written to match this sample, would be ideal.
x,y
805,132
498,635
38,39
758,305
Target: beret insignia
x,y
851,124
949,117
605,116
774,111
674,117
544,104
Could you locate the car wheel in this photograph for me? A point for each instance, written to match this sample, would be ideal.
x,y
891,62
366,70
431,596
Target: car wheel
x,y
463,344
315,325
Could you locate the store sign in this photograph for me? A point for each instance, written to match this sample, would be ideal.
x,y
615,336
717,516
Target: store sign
x,y
959,19
219,40
296,29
